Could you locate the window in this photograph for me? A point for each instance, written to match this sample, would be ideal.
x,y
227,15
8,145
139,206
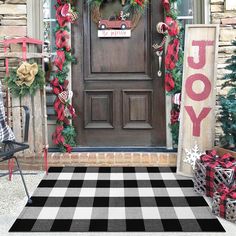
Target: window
x,y
49,24
191,12
185,11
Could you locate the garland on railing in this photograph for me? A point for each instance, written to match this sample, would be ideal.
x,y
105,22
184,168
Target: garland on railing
x,y
174,64
64,135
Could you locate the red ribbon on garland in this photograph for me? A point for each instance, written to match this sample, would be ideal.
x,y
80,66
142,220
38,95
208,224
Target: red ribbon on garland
x,y
169,82
64,110
62,38
166,5
172,55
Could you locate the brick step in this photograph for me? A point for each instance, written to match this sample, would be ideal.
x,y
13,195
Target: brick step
x,y
98,159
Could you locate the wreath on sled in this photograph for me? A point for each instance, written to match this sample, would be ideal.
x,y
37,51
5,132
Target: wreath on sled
x,y
132,8
25,79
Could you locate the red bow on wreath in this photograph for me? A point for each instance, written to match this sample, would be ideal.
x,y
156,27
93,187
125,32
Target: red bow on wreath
x,y
62,37
60,59
172,54
166,5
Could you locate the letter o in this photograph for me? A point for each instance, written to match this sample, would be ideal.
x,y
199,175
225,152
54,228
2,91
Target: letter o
x,y
189,87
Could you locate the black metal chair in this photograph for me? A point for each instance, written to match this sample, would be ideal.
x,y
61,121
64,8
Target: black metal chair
x,y
10,147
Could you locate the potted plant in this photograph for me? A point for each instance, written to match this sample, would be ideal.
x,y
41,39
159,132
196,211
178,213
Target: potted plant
x,y
228,109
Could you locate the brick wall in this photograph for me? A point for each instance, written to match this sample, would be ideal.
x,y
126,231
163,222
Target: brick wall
x,y
223,12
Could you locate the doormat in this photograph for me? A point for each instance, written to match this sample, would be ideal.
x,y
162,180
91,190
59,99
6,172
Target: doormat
x,y
116,199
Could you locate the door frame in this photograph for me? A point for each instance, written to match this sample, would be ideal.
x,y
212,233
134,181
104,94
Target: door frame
x,y
78,72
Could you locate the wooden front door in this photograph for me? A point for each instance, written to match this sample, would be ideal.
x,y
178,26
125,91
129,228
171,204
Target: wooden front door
x,y
119,98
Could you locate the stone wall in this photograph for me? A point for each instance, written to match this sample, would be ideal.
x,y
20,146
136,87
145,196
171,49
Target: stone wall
x,y
223,12
13,23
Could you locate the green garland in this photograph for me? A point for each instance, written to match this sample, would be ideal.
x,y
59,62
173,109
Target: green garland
x,y
23,90
177,72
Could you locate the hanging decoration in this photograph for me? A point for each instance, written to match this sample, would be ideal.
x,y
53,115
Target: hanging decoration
x,y
132,9
25,79
173,64
64,135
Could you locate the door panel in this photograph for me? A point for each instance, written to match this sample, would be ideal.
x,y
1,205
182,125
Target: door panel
x,y
137,109
120,100
119,55
98,109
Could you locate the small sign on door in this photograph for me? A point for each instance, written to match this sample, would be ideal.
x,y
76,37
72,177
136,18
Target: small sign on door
x,y
114,33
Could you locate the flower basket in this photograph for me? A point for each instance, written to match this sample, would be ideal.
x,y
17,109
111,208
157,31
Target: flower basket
x,y
211,171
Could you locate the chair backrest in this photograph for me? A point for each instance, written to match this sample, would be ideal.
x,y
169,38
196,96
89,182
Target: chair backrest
x,y
6,133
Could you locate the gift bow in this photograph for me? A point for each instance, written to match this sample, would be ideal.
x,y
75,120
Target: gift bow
x,y
225,192
226,161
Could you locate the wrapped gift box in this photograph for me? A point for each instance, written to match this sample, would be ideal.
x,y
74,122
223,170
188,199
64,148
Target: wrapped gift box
x,y
211,171
224,203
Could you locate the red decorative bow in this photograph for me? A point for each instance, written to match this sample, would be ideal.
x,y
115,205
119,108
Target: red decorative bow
x,y
173,29
62,37
60,59
172,55
225,192
169,82
60,109
62,20
166,5
211,160
226,161
57,136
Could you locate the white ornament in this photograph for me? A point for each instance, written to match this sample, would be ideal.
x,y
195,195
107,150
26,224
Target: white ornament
x,y
192,155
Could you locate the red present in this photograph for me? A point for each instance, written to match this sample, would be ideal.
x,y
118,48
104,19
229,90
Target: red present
x,y
212,170
224,202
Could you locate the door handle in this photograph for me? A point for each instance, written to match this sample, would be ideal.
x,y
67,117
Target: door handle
x,y
162,28
159,54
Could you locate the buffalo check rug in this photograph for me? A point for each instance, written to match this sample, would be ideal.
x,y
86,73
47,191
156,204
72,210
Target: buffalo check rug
x,y
116,199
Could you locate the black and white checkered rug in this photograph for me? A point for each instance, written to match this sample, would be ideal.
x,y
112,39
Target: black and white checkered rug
x,y
116,199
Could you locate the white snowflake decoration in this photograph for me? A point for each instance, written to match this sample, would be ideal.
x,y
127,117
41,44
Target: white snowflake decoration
x,y
192,155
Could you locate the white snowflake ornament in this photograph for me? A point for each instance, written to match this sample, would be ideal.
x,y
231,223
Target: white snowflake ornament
x,y
192,155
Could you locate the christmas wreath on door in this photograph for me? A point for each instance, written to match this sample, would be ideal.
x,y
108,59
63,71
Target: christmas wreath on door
x,y
133,9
